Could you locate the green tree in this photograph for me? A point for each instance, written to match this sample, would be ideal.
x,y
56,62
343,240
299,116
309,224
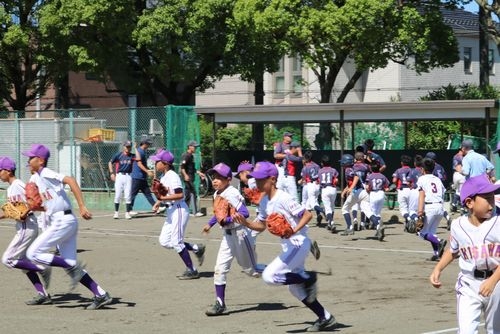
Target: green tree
x,y
435,134
168,47
25,71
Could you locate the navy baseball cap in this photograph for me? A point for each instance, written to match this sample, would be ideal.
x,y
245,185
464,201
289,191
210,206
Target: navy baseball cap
x,y
146,141
7,163
164,156
263,170
477,185
193,143
431,155
222,169
38,150
287,134
127,143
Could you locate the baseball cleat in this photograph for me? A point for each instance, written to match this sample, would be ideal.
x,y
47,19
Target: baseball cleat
x,y
442,245
198,214
355,225
76,273
39,300
100,301
216,309
316,252
116,216
200,254
46,274
189,274
127,215
323,324
380,234
349,231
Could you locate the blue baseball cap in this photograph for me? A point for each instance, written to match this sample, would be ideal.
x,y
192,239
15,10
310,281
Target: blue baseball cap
x,y
7,163
164,156
127,143
146,141
287,134
38,150
263,170
478,185
222,169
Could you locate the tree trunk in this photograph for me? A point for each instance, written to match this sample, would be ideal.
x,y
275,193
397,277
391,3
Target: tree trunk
x,y
258,128
484,67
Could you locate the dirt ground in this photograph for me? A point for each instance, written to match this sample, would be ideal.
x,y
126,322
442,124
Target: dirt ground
x,y
374,287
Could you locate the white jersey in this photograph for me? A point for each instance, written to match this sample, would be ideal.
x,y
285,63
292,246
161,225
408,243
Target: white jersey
x,y
16,192
432,187
51,187
234,197
478,246
285,204
171,181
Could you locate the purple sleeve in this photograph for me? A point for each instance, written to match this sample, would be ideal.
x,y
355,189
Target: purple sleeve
x,y
212,221
242,211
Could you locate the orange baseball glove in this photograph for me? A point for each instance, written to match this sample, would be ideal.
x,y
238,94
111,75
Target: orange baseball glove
x,y
252,195
222,209
33,197
158,188
278,225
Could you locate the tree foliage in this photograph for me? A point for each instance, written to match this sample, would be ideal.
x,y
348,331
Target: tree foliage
x,y
435,134
25,72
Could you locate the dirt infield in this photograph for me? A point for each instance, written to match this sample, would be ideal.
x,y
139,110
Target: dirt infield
x,y
374,287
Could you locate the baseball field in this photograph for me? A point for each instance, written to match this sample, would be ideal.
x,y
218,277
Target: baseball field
x,y
370,286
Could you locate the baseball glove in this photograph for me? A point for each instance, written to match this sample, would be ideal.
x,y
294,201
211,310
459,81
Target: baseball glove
x,y
15,210
419,224
278,225
252,195
222,209
410,227
158,188
33,197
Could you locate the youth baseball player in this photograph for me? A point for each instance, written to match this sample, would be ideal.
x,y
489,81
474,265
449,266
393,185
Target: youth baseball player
x,y
475,240
430,206
14,256
401,178
62,228
120,167
310,186
291,166
458,181
236,241
328,180
441,174
414,195
376,183
289,267
177,215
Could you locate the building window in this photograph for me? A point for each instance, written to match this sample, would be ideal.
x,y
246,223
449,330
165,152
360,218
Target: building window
x,y
468,60
491,61
279,80
297,76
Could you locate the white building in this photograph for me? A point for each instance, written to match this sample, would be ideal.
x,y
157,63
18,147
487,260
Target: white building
x,y
392,83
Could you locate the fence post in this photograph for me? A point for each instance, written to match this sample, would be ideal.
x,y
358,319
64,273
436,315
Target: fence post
x,y
72,143
497,156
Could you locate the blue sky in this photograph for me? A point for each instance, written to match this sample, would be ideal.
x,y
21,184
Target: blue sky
x,y
472,7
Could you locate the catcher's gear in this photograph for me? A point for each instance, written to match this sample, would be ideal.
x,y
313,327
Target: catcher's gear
x,y
15,210
419,224
278,225
252,195
222,209
33,197
158,188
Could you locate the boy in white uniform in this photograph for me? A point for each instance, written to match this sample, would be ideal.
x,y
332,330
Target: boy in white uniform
x,y
288,267
177,215
62,228
475,240
430,206
26,231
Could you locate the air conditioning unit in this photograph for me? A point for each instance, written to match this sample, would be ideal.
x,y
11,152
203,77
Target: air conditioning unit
x,y
155,128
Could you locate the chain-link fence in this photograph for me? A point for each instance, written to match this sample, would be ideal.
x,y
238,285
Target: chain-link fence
x,y
82,142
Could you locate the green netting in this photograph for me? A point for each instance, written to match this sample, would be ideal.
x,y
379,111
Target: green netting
x,y
182,126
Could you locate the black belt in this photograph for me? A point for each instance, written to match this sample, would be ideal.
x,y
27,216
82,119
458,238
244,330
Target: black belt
x,y
433,202
68,212
482,274
228,231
